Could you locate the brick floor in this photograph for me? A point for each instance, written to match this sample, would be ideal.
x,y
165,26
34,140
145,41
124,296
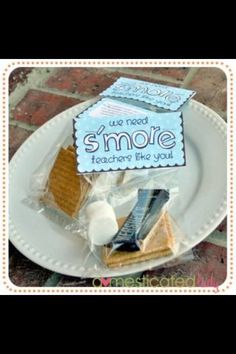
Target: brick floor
x,y
38,107
18,75
23,272
91,81
16,137
173,73
211,86
69,86
209,265
84,81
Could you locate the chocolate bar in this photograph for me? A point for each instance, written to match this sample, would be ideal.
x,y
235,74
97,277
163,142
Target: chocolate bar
x,y
141,220
161,241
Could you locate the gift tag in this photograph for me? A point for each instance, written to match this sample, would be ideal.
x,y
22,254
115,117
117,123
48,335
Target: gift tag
x,y
161,96
137,140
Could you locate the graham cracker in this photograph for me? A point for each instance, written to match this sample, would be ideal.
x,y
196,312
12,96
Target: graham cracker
x,y
160,244
65,189
71,148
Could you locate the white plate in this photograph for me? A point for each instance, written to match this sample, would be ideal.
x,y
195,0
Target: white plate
x,y
202,187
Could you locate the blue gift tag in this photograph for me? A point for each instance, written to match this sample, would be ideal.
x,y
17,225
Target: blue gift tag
x,y
161,96
143,139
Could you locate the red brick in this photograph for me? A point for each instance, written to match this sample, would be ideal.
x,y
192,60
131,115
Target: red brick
x,y
144,78
38,107
16,137
140,76
23,272
18,75
89,81
173,73
210,264
211,87
208,250
83,81
67,281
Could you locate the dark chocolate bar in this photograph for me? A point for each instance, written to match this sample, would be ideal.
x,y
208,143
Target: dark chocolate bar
x,y
141,219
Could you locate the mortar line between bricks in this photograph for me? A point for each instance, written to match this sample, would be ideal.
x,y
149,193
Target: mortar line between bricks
x,y
53,280
143,73
35,80
26,126
63,93
188,78
217,238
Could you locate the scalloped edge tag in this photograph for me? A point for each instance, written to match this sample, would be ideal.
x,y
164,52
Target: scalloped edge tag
x,y
130,138
164,97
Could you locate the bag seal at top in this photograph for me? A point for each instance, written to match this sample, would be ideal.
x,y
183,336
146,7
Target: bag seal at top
x,y
161,96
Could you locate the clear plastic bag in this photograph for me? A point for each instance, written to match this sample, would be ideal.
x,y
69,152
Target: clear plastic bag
x,y
105,208
152,235
124,216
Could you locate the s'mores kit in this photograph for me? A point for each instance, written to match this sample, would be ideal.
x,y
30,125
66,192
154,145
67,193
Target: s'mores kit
x,y
114,180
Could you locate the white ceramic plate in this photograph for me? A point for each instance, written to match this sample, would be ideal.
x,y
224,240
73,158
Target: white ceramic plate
x,y
202,186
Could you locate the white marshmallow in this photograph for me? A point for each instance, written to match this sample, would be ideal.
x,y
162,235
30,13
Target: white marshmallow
x,y
102,224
